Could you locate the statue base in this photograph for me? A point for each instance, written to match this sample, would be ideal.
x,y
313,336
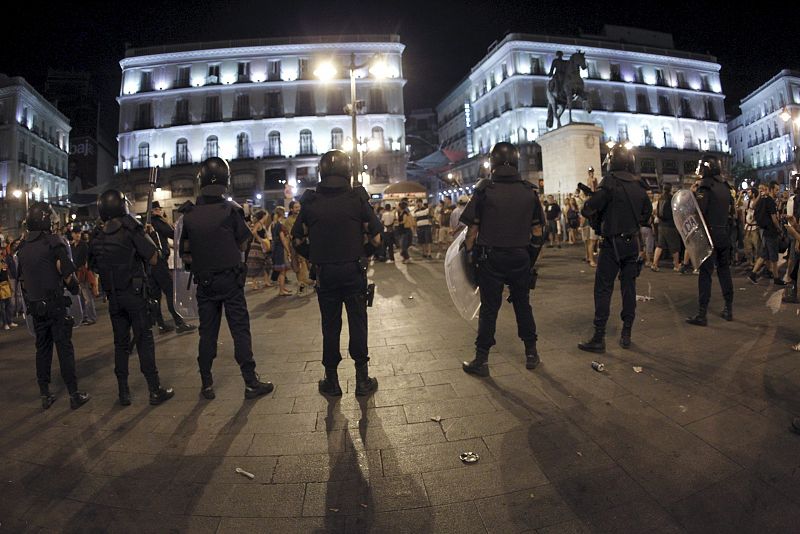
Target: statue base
x,y
567,154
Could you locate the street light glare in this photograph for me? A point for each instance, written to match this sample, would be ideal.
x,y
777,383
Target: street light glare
x,y
785,116
373,144
325,71
17,193
347,146
379,69
628,145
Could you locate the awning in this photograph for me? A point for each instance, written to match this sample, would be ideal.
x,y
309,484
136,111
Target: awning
x,y
405,190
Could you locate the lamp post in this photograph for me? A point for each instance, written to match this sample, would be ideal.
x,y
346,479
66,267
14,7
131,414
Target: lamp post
x,y
327,71
36,190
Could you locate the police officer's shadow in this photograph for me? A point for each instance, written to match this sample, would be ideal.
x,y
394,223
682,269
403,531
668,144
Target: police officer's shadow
x,y
277,307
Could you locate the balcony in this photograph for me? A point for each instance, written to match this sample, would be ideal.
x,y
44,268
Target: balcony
x,y
242,114
181,119
181,83
307,149
244,152
140,162
182,158
212,116
143,124
271,152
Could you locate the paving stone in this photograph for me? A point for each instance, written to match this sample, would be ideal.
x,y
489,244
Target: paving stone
x,y
327,467
593,492
433,457
300,443
524,510
280,525
479,425
378,437
461,518
448,409
397,397
264,500
387,416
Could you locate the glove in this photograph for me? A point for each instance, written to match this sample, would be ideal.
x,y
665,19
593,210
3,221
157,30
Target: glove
x,y
472,264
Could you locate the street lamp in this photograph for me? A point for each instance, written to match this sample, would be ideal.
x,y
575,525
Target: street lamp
x,y
35,189
326,71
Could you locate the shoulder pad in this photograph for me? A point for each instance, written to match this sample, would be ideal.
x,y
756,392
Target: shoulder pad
x,y
482,184
32,236
362,192
608,182
130,222
234,205
186,207
55,241
112,226
308,196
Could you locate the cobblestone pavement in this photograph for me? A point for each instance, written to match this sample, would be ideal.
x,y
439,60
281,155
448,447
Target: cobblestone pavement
x,y
698,441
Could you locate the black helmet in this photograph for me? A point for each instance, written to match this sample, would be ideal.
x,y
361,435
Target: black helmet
x,y
112,204
708,166
39,217
620,158
335,163
504,159
214,177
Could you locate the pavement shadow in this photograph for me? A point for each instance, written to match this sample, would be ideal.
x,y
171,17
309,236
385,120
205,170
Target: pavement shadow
x,y
277,307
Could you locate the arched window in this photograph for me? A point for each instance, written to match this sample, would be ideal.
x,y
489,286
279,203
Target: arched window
x,y
337,136
712,140
377,136
273,144
647,136
212,147
143,158
668,138
306,142
688,142
243,149
182,152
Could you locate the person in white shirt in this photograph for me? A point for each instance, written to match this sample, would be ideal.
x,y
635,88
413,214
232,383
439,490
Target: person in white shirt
x,y
455,223
388,218
422,215
752,236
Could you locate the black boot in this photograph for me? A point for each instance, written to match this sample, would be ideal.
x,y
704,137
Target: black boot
x,y
479,366
597,343
47,398
364,384
330,384
256,388
207,389
124,392
625,336
699,319
183,328
164,328
727,311
790,294
531,355
158,394
78,399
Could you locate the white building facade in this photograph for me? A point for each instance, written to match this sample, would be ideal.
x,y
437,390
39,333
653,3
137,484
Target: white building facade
x,y
258,104
666,102
34,150
765,135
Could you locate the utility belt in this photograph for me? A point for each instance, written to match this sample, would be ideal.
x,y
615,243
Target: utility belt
x,y
363,265
42,308
206,278
624,236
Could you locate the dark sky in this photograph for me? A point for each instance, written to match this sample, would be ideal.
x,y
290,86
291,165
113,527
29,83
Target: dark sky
x,y
443,38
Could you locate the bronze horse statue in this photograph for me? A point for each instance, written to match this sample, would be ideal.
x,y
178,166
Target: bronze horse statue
x,y
564,90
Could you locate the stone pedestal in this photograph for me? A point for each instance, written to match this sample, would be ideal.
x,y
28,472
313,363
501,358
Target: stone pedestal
x,y
567,153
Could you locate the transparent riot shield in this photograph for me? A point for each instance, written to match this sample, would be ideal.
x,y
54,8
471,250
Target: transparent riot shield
x,y
692,227
464,293
184,291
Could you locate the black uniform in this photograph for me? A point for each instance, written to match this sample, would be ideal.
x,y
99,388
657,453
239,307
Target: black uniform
x,y
618,209
43,291
333,219
214,231
717,205
118,252
160,277
505,209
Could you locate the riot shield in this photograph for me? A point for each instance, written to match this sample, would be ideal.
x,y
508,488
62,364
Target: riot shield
x,y
464,293
184,293
692,227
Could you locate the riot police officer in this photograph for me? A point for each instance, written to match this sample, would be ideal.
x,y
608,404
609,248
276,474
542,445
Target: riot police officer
x,y
118,252
504,237
160,277
45,268
717,205
617,210
214,236
335,223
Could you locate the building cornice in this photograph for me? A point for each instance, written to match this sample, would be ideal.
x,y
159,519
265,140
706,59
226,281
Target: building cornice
x,y
784,74
21,86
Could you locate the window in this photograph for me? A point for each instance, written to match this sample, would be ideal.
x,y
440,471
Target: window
x,y
146,83
620,103
243,149
377,136
181,112
592,70
377,104
670,166
337,136
306,177
212,112
212,147
335,101
182,156
243,71
306,142
648,165
660,79
274,71
688,142
183,77
242,110
622,133
243,182
305,103
303,72
144,116
668,143
273,144
536,65
274,104
681,80
638,75
213,74
615,73
642,102
712,141
142,159
647,136
686,108
182,188
689,166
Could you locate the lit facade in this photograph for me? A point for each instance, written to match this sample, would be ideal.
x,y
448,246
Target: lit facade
x,y
666,102
765,135
34,150
258,104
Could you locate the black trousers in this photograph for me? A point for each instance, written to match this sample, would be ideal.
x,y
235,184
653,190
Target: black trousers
x,y
617,256
387,244
504,266
161,282
224,291
54,327
342,284
128,312
721,259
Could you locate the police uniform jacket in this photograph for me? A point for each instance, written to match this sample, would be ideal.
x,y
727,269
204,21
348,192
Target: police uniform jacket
x,y
214,231
118,252
37,268
620,206
505,209
715,198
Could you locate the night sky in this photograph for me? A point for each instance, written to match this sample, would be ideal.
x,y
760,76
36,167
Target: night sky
x,y
443,38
